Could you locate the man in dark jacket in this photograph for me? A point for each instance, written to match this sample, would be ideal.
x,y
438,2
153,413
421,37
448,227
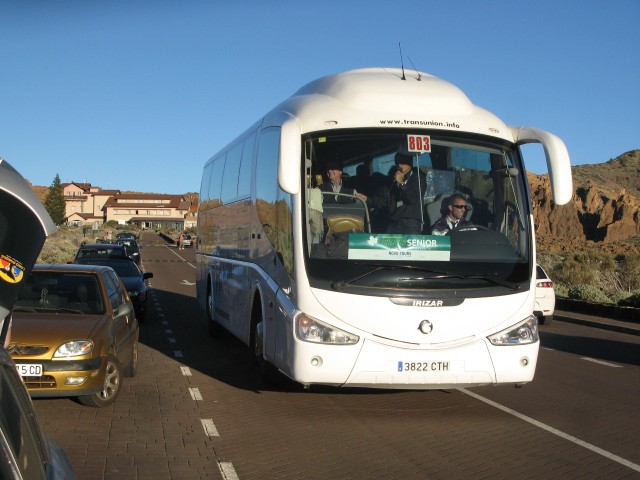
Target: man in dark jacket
x,y
402,200
335,185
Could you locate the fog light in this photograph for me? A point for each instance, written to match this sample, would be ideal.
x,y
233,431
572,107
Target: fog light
x,y
524,361
75,380
316,361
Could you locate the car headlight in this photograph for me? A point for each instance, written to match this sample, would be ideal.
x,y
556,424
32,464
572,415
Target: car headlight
x,y
312,330
74,349
521,334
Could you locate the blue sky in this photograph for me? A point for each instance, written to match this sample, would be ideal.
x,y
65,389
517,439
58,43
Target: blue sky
x,y
137,95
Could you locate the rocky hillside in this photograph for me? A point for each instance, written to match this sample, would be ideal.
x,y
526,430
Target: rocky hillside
x,y
604,213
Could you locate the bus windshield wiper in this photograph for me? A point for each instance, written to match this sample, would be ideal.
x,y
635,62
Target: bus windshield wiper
x,y
339,285
478,276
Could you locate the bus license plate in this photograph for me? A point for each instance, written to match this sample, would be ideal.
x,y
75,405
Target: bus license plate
x,y
29,370
430,366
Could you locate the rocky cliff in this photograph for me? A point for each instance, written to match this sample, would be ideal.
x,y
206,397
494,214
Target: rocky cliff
x,y
604,212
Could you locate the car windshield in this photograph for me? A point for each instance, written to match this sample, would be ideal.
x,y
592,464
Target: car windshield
x,y
455,206
102,251
56,292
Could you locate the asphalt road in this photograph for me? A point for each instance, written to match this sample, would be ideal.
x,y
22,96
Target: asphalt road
x,y
199,410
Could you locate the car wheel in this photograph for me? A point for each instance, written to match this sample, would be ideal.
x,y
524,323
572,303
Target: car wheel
x,y
131,369
110,388
546,320
214,328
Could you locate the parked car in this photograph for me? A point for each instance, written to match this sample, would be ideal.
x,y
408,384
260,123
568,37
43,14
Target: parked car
x,y
186,240
74,333
133,250
25,451
133,278
545,297
124,235
102,250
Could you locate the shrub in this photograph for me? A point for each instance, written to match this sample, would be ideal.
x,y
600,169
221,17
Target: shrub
x,y
633,300
61,247
588,293
561,290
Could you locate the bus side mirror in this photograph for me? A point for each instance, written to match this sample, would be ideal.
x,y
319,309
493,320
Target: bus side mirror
x,y
557,156
289,165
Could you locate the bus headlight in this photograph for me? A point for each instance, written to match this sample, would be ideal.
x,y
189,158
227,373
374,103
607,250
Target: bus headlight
x,y
312,330
521,334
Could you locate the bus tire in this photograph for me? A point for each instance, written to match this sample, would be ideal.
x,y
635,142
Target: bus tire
x,y
215,330
268,372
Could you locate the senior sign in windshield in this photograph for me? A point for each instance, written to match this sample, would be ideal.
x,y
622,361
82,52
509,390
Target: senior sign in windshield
x,y
398,247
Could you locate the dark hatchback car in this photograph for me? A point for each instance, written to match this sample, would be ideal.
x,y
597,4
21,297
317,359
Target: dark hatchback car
x,y
133,249
133,278
125,235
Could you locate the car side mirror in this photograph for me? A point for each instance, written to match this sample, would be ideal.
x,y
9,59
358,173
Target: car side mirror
x,y
146,275
124,309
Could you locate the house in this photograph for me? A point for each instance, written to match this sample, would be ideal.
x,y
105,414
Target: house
x,y
147,210
86,204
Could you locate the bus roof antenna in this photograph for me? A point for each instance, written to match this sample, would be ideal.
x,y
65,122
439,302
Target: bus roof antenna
x,y
401,62
414,67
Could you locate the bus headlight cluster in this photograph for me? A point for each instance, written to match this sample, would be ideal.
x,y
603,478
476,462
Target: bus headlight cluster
x,y
312,330
521,334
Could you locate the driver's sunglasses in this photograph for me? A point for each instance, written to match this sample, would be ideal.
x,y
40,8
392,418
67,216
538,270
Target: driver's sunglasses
x,y
461,206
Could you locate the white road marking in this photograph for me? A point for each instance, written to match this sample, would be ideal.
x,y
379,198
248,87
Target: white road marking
x,y
210,429
172,340
566,436
177,354
227,471
600,362
181,258
168,331
195,394
186,371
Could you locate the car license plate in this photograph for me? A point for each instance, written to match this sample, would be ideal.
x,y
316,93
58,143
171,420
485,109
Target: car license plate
x,y
29,370
430,366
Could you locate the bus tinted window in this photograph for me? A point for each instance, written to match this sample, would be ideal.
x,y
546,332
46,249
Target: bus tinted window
x,y
230,177
244,180
215,183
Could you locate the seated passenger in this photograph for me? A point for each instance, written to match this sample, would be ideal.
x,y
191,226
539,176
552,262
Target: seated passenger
x,y
454,217
402,199
334,173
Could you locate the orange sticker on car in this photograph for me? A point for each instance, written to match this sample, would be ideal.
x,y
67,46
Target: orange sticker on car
x,y
11,270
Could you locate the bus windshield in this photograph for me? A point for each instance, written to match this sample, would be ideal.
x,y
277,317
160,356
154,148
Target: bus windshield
x,y
451,209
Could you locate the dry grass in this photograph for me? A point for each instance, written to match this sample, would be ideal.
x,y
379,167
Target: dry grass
x,y
61,247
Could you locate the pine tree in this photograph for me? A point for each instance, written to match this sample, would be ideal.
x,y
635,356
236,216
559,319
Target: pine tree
x,y
54,202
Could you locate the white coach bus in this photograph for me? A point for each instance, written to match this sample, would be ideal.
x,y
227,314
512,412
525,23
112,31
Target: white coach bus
x,y
319,286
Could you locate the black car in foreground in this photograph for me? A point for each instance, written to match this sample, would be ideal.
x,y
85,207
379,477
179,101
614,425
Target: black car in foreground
x,y
132,277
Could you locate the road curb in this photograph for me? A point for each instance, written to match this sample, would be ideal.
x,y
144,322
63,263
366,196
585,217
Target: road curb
x,y
603,324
